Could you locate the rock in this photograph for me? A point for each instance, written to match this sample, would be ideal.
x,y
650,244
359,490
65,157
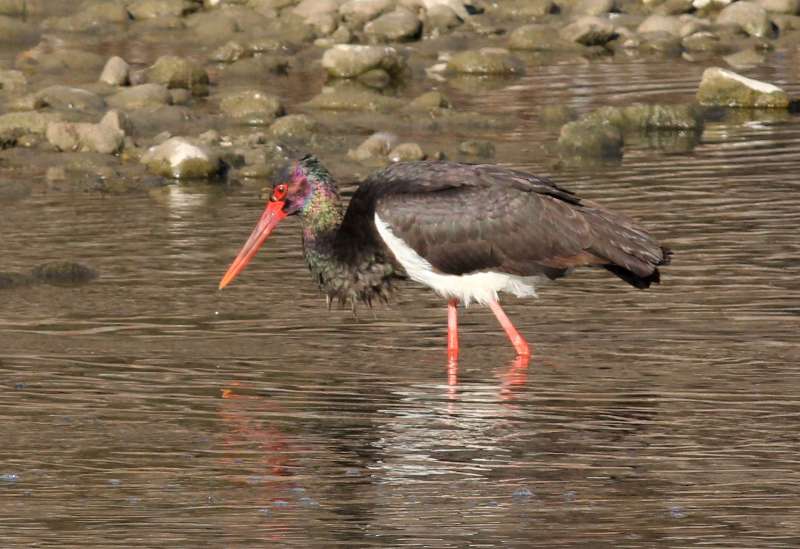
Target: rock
x,y
294,126
594,7
745,59
704,41
590,140
358,12
14,280
536,37
158,9
440,19
526,10
12,82
431,100
477,147
179,72
63,273
396,26
376,78
661,23
253,68
13,8
589,31
15,31
67,98
376,145
179,158
228,53
552,115
406,152
790,7
180,96
89,17
640,116
751,17
674,7
144,96
353,99
720,87
497,61
116,72
661,43
212,27
26,122
106,137
348,61
310,8
252,107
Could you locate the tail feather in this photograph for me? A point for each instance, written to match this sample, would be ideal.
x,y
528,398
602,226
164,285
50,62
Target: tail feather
x,y
641,281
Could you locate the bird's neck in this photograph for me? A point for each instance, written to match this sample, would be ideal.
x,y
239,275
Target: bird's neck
x,y
321,218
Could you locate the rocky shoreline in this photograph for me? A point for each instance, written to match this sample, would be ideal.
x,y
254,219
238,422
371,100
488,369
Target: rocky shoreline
x,y
186,89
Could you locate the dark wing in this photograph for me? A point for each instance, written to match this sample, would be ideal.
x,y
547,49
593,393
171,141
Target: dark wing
x,y
469,218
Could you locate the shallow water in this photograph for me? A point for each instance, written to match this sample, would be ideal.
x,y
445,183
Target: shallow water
x,y
148,409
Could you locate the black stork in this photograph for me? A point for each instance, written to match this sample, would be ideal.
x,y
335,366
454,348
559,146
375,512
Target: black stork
x,y
466,231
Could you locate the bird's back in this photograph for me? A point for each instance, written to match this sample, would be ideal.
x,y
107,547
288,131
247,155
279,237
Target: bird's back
x,y
465,218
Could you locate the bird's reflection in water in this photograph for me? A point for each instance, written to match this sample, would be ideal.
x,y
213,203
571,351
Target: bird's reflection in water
x,y
512,378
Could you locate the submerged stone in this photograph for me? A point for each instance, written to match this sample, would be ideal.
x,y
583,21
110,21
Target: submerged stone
x,y
376,145
406,152
63,273
252,107
14,280
591,139
487,61
179,72
477,147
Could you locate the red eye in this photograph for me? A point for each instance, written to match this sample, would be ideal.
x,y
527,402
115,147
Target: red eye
x,y
279,193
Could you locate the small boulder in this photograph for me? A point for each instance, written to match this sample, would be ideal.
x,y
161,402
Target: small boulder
x,y
158,9
724,88
428,101
396,26
440,19
789,7
588,139
589,31
179,72
751,17
67,98
294,126
252,107
106,137
661,23
179,158
116,72
311,8
406,152
349,61
536,37
63,273
376,145
477,147
358,12
494,61
144,96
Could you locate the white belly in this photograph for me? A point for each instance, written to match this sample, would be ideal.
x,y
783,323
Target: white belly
x,y
480,287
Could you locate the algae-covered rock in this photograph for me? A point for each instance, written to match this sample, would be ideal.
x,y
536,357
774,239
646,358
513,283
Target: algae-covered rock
x,y
477,147
396,26
179,72
641,116
353,99
431,100
349,61
589,31
536,37
179,158
720,87
294,126
63,273
252,107
26,122
486,61
589,139
751,17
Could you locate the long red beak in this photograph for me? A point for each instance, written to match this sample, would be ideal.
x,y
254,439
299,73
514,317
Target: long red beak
x,y
269,219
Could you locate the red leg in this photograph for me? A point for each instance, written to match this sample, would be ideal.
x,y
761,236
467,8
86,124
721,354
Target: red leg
x,y
517,340
452,330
